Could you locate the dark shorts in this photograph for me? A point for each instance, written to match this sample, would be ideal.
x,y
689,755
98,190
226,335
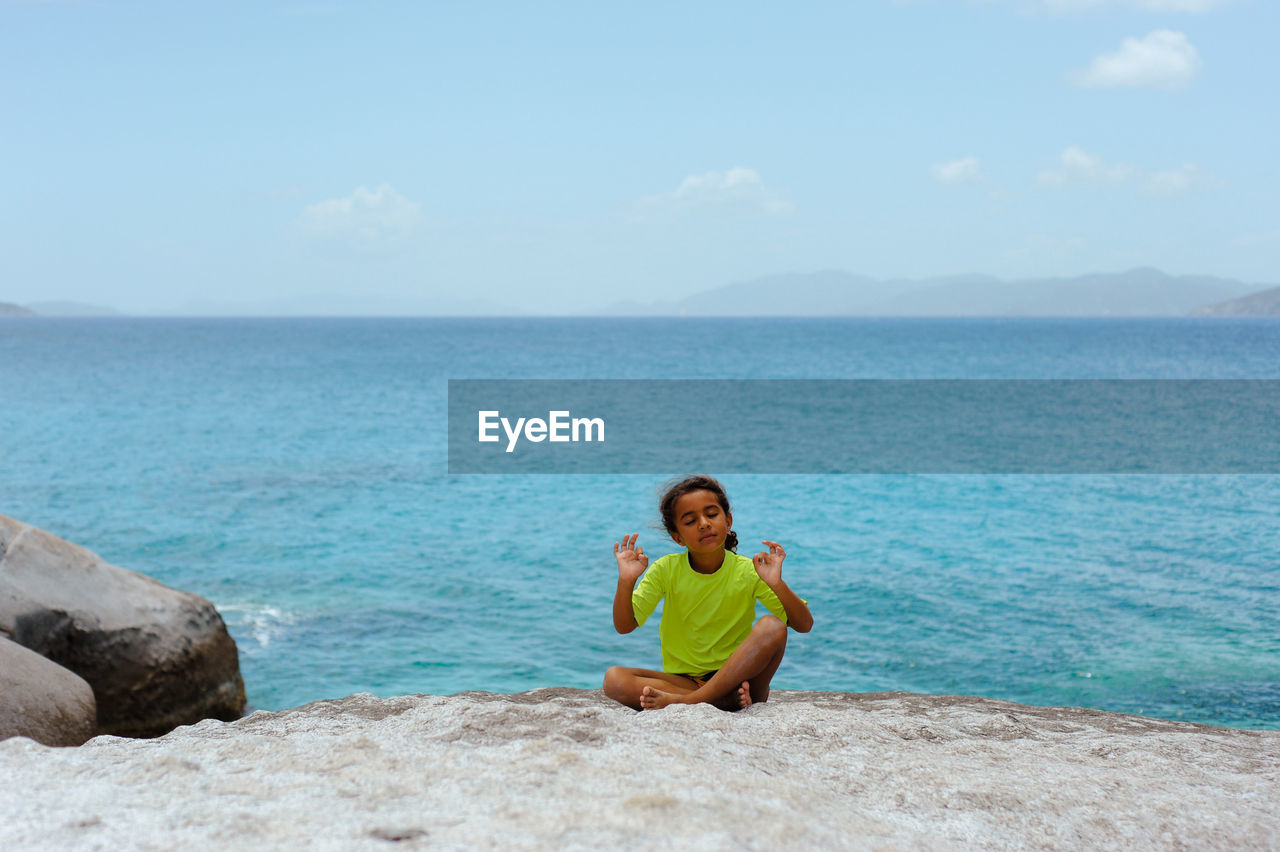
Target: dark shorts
x,y
700,679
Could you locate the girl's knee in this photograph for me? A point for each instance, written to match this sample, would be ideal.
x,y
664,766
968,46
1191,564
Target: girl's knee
x,y
614,679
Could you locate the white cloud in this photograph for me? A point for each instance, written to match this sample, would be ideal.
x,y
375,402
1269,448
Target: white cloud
x,y
1145,5
966,170
738,189
1172,182
366,218
1179,5
1263,239
1075,167
1162,59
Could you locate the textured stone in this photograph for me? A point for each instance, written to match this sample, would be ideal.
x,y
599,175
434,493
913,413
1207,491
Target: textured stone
x,y
42,700
156,657
562,768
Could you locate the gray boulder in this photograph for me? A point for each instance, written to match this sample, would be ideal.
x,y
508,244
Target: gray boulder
x,y
42,700
156,657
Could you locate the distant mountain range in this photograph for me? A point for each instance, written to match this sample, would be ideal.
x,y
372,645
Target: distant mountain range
x,y
1264,304
1142,292
8,309
72,309
56,309
329,304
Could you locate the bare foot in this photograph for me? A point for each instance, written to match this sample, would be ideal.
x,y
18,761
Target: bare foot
x,y
744,695
654,699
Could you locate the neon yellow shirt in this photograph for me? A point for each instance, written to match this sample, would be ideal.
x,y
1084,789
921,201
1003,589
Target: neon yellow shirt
x,y
706,616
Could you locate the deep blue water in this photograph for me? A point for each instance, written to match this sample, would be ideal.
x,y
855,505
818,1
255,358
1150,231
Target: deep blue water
x,y
294,472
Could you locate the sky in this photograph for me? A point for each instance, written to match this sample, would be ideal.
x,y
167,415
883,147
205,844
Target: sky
x,y
387,157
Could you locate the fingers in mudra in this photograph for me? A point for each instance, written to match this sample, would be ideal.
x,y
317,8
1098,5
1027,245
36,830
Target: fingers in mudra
x,y
774,553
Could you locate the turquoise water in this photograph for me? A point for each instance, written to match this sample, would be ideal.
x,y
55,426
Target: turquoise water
x,y
293,472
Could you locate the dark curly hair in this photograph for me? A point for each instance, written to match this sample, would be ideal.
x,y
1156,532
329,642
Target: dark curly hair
x,y
679,488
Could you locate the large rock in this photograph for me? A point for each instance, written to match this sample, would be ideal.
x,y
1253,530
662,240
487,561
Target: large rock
x,y
562,768
156,657
42,700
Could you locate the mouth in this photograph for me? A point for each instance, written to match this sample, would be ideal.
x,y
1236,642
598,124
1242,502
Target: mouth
x,y
706,538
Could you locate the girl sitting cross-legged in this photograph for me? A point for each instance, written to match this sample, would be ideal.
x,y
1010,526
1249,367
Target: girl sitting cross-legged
x,y
711,650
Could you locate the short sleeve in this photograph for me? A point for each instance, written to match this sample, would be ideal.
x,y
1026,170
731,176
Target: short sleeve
x,y
769,598
651,589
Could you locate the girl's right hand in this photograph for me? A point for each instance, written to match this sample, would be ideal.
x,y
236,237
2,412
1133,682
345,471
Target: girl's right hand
x,y
631,559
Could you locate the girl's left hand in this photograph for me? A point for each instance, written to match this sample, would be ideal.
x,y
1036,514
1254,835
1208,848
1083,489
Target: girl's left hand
x,y
769,564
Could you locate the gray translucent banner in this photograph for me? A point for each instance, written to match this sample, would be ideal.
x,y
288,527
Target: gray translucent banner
x,y
864,426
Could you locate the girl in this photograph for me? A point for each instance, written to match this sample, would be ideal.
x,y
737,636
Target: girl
x,y
711,652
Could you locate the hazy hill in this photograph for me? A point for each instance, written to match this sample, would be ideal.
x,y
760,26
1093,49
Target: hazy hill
x,y
8,309
1264,304
798,294
795,294
72,309
336,304
1137,292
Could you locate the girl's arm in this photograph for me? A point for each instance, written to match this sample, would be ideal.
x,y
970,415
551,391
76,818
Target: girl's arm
x,y
624,617
769,567
631,564
798,615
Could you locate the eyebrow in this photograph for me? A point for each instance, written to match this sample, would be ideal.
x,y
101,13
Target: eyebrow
x,y
715,506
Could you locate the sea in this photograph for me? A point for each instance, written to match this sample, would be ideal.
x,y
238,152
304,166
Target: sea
x,y
295,473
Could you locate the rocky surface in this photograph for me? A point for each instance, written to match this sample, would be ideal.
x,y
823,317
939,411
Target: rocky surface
x,y
156,657
559,768
42,700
